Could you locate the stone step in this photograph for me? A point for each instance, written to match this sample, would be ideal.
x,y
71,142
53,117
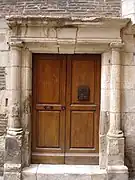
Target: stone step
x,y
63,172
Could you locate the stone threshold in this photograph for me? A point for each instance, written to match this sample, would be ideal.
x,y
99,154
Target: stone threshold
x,y
63,172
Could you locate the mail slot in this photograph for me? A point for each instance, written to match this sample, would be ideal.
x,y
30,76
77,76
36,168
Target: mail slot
x,y
83,93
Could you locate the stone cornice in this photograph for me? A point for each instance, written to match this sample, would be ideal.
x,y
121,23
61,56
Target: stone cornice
x,y
60,21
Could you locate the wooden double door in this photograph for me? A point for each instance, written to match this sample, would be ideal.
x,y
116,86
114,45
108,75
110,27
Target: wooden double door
x,y
65,118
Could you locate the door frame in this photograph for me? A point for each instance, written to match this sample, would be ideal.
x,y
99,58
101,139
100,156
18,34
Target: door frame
x,y
65,35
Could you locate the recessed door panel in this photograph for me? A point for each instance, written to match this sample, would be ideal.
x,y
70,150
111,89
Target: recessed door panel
x,y
82,129
48,127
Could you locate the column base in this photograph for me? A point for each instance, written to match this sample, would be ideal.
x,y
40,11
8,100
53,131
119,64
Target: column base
x,y
12,176
13,155
115,151
117,173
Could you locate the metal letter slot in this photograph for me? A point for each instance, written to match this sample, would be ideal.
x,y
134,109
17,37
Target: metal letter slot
x,y
83,93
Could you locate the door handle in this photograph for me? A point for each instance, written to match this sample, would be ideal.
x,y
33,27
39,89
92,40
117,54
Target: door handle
x,y
48,108
63,108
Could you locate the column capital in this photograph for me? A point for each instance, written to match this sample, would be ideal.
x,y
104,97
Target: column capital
x,y
16,43
116,45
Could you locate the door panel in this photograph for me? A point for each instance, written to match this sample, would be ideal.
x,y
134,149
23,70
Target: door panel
x,y
81,134
48,135
49,78
82,72
82,116
48,126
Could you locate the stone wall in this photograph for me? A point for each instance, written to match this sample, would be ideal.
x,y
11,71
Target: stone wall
x,y
61,7
4,53
128,98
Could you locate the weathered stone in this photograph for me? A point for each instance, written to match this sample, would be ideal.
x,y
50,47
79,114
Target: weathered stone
x,y
30,173
115,151
104,122
102,152
12,176
127,100
127,77
127,59
13,149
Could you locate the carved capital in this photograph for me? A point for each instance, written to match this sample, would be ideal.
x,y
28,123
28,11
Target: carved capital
x,y
16,44
116,45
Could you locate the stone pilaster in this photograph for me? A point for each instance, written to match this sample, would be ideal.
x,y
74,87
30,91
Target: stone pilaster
x,y
115,139
13,140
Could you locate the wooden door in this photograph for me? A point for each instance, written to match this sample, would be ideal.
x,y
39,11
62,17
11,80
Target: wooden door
x,y
48,136
82,116
65,127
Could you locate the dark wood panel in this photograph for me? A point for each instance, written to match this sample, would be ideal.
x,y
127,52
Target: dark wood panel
x,y
48,128
82,129
82,72
48,78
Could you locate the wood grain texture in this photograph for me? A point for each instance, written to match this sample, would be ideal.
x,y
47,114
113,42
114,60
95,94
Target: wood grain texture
x,y
68,135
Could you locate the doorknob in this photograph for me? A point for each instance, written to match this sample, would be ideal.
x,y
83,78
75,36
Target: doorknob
x,y
63,108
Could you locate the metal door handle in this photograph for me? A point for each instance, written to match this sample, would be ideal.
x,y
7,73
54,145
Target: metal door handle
x,y
48,108
63,108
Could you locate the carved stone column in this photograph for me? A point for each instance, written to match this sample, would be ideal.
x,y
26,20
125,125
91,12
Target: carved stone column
x,y
13,140
115,139
114,129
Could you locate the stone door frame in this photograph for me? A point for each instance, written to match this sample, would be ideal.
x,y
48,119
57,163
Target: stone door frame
x,y
64,35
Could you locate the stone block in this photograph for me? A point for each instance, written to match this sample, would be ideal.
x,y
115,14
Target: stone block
x,y
66,33
14,78
26,58
117,176
127,59
99,177
115,151
127,100
88,33
30,172
4,58
102,151
12,176
26,78
128,121
128,77
33,31
13,146
104,122
115,105
105,77
26,149
106,58
66,49
3,40
105,100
